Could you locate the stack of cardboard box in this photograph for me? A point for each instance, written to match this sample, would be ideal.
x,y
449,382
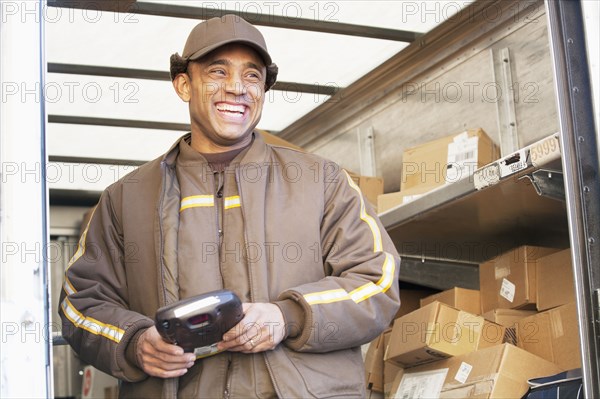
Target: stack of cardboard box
x,y
522,324
439,162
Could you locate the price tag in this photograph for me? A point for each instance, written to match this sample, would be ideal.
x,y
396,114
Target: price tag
x,y
545,151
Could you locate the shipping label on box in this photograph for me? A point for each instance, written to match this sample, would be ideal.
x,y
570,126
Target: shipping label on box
x,y
425,385
462,158
447,159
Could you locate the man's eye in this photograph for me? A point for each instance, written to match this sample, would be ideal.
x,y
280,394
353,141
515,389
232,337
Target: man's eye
x,y
218,71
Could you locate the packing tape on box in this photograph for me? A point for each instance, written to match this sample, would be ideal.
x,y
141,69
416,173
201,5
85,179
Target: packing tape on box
x,y
556,324
501,272
480,386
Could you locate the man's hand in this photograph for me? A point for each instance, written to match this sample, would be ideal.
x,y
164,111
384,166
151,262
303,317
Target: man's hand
x,y
161,359
261,329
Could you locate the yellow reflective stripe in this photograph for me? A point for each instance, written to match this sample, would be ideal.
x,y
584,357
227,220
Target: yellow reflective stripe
x,y
365,217
195,201
369,289
90,324
385,282
327,296
81,244
232,202
364,291
387,277
68,287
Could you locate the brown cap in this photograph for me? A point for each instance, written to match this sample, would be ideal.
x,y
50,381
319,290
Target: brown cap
x,y
216,32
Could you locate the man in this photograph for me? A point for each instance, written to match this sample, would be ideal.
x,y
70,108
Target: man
x,y
303,250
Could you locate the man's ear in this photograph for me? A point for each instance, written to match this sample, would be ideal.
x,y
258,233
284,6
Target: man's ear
x,y
182,86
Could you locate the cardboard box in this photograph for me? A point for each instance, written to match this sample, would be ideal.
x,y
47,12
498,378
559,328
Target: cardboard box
x,y
392,200
371,187
508,319
498,372
410,300
447,159
492,334
555,282
552,335
435,331
374,364
390,370
459,298
509,280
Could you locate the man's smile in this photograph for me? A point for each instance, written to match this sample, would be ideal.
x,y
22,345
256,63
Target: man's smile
x,y
231,111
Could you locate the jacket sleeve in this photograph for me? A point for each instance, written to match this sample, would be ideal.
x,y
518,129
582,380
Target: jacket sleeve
x,y
94,301
359,296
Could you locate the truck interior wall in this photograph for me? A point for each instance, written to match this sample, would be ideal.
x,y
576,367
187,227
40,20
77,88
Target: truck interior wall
x,y
456,94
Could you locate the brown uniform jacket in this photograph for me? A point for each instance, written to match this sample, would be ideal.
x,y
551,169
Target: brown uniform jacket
x,y
311,238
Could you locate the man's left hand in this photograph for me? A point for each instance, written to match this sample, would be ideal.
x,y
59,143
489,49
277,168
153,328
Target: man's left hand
x,y
261,329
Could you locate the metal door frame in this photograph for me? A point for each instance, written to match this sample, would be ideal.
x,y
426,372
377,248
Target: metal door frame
x,y
579,142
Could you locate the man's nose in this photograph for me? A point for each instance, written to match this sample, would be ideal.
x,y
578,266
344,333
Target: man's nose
x,y
235,84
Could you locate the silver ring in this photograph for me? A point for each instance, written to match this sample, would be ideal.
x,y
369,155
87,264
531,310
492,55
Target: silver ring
x,y
252,342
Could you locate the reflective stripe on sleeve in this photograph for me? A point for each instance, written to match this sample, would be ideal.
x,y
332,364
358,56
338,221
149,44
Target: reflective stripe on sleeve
x,y
369,289
327,296
81,244
90,324
68,287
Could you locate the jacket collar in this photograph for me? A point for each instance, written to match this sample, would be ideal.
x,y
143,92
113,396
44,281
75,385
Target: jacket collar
x,y
257,153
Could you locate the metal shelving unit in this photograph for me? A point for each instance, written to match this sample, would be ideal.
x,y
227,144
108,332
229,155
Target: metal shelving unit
x,y
516,200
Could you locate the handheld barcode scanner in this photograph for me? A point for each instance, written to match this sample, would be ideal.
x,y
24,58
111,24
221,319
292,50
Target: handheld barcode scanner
x,y
198,323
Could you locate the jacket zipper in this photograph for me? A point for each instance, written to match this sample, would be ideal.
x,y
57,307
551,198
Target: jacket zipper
x,y
227,392
275,385
218,189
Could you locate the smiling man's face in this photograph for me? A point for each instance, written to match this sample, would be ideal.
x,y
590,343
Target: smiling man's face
x,y
225,91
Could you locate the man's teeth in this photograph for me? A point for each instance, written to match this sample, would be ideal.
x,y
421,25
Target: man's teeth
x,y
231,108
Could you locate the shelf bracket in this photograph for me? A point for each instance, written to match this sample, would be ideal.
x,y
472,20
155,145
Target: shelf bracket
x,y
505,106
597,305
548,183
366,150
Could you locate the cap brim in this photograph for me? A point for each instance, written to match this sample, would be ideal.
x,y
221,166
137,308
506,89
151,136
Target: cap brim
x,y
261,51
